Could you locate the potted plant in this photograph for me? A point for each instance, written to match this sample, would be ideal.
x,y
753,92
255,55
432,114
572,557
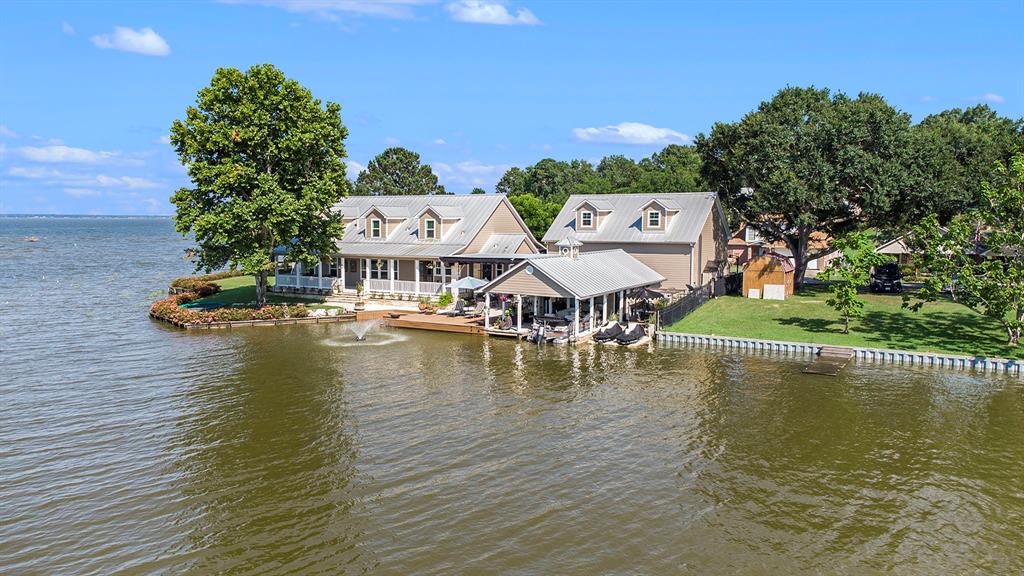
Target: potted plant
x,y
360,303
424,303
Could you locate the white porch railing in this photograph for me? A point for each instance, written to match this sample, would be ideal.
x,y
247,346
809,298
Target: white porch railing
x,y
290,281
401,286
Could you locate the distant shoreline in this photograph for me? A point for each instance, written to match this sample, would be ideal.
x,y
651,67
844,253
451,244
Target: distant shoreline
x,y
113,216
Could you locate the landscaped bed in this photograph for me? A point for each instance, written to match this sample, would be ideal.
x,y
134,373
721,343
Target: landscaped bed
x,y
943,326
223,300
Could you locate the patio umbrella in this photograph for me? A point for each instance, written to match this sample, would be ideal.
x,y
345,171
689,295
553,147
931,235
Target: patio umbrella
x,y
644,294
467,283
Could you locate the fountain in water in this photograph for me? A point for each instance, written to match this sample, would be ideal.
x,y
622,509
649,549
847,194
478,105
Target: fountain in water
x,y
360,328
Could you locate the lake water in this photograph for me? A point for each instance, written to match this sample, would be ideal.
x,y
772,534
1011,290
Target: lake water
x,y
131,447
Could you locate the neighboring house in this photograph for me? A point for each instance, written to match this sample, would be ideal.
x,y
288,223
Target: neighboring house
x,y
681,236
898,248
417,244
747,244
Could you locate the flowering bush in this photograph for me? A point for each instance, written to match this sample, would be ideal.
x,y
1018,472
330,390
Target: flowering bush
x,y
170,309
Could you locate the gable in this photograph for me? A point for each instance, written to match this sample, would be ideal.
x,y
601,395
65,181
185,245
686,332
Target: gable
x,y
522,282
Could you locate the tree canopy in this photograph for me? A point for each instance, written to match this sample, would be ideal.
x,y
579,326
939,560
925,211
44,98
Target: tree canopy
x,y
397,172
266,161
809,160
979,255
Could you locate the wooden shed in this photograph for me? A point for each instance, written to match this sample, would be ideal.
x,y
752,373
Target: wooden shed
x,y
769,270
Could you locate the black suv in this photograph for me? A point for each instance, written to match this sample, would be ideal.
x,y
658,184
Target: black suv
x,y
887,278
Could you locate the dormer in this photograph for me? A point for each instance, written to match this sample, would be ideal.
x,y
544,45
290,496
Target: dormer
x,y
435,221
381,221
569,247
655,216
590,214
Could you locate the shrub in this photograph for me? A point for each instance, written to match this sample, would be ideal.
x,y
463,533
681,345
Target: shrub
x,y
170,309
445,299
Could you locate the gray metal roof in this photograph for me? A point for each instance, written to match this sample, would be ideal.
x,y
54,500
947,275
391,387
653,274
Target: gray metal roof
x,y
469,213
502,243
623,222
589,274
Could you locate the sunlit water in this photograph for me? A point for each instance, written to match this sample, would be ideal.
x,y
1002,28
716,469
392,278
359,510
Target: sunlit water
x,y
130,447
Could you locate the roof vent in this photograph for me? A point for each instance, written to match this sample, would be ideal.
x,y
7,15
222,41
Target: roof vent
x,y
569,246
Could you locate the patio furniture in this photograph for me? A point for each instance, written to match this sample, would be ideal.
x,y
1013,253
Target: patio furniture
x,y
476,311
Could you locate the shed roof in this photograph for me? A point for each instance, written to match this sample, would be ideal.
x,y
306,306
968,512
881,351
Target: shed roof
x,y
624,222
589,274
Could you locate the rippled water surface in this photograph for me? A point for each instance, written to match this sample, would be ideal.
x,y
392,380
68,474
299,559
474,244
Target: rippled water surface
x,y
129,447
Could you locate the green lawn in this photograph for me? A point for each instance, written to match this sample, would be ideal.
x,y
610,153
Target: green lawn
x,y
242,290
939,327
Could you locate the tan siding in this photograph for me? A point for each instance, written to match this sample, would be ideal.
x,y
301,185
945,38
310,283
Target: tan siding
x,y
503,221
670,260
530,284
525,248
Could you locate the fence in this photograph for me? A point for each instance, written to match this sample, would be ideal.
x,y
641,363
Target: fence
x,y
676,311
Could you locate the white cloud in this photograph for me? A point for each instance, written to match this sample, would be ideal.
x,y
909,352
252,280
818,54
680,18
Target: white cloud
x,y
464,176
165,139
330,9
353,168
927,98
67,28
391,140
630,133
439,141
991,97
7,132
484,12
60,178
144,41
61,153
80,192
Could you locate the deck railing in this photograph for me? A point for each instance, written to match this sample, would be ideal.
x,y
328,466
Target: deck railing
x,y
401,286
291,281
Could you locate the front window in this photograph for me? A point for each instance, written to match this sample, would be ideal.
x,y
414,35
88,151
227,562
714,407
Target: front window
x,y
375,228
586,219
379,269
654,219
429,229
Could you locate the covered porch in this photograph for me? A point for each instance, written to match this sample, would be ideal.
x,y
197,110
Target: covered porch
x,y
387,276
573,294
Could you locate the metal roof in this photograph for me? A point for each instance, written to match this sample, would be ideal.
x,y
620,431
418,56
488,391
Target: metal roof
x,y
502,244
624,221
589,274
470,212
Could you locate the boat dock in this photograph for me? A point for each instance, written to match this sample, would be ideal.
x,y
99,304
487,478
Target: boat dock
x,y
435,322
830,360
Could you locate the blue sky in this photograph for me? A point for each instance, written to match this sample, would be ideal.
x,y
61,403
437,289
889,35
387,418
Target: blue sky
x,y
89,90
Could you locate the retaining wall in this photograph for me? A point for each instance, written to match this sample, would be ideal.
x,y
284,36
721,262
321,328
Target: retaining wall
x,y
874,355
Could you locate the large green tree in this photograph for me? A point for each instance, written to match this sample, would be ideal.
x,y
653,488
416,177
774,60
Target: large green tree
x,y
808,160
396,172
849,272
954,154
676,168
979,255
266,161
537,213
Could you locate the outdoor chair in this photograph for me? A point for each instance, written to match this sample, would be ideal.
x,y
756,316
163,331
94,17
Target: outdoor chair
x,y
475,312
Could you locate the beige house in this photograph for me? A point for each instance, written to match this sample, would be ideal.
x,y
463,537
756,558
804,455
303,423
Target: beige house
x,y
682,236
416,245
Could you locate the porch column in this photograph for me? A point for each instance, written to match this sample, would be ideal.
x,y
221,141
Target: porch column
x,y
366,288
604,309
455,276
593,315
487,310
320,273
536,305
519,312
277,268
341,270
576,318
417,276
391,276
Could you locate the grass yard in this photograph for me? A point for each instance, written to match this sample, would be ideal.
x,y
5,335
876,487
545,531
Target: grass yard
x,y
242,290
939,327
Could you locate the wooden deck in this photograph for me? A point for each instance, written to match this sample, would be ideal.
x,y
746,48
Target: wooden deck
x,y
437,323
830,360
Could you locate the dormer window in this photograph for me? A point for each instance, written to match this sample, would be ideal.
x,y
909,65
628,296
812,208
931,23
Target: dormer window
x,y
430,229
375,228
653,219
586,219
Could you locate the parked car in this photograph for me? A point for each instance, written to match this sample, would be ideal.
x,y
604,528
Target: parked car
x,y
887,278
